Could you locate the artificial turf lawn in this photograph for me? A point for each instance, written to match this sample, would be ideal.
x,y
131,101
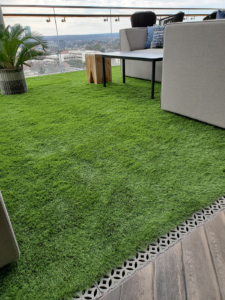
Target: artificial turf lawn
x,y
90,175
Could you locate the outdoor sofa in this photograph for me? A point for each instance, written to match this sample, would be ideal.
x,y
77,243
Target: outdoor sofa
x,y
193,68
194,71
134,39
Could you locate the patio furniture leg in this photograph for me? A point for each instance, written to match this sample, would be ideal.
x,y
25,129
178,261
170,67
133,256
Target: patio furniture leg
x,y
123,62
103,71
153,79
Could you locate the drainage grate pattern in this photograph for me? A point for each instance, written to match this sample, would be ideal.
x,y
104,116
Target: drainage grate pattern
x,y
142,258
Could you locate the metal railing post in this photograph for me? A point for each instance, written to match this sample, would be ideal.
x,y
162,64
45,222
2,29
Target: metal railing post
x,y
111,29
60,58
1,18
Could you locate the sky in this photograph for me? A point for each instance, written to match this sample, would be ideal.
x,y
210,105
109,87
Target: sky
x,y
129,3
92,25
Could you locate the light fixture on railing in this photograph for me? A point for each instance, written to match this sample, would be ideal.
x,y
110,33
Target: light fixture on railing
x,y
106,19
63,20
118,19
48,20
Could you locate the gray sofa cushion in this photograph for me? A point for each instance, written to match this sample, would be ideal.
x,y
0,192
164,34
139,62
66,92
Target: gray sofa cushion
x,y
136,38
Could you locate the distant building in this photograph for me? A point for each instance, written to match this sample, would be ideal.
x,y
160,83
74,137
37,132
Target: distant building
x,y
27,30
38,48
76,55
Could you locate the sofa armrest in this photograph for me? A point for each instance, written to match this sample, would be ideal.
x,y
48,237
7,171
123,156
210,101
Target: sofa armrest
x,y
9,250
133,39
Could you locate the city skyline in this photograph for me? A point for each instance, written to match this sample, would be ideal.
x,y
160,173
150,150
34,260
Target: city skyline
x,y
27,29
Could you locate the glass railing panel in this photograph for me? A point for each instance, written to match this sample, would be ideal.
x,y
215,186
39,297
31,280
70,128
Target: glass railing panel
x,y
80,35
72,32
200,12
81,11
46,27
164,13
119,20
189,16
196,15
25,10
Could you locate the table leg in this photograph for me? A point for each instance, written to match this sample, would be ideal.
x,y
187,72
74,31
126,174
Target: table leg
x,y
103,71
153,79
123,62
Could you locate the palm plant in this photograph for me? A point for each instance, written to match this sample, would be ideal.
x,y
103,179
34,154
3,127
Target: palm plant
x,y
12,79
12,40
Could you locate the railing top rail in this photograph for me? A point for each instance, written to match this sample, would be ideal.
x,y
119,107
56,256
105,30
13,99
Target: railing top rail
x,y
110,7
90,15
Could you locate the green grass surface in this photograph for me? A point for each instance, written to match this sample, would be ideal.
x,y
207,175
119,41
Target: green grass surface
x,y
91,175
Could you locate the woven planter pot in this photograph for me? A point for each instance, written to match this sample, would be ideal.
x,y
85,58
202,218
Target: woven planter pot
x,y
12,82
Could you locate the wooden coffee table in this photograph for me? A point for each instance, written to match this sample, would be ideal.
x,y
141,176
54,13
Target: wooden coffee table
x,y
134,55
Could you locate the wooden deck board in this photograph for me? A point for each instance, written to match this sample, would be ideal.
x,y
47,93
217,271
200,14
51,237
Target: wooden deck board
x,y
113,295
169,280
215,231
140,285
201,281
193,269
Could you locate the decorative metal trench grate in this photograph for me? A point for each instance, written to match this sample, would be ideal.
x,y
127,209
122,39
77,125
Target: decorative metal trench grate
x,y
142,258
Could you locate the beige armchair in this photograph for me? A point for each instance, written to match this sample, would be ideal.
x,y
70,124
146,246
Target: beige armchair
x,y
194,71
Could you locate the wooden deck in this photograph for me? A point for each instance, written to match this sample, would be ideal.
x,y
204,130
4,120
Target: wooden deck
x,y
193,269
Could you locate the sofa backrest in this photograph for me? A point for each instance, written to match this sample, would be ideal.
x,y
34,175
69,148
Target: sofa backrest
x,y
133,39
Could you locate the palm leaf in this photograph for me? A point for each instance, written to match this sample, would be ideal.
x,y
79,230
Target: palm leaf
x,y
28,53
11,40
